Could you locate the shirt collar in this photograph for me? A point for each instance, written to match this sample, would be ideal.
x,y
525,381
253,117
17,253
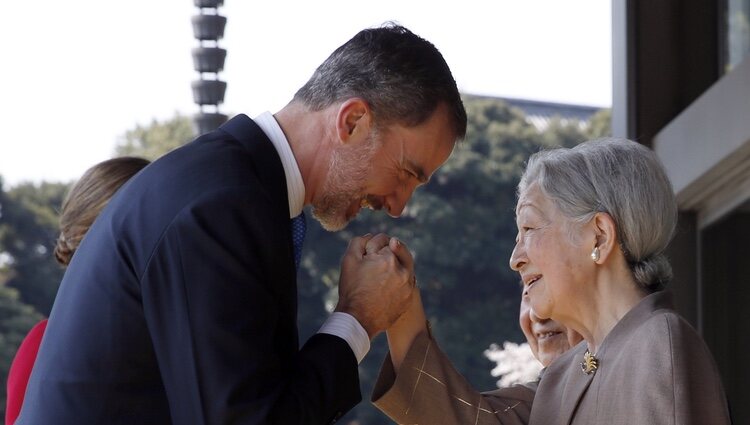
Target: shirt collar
x,y
295,187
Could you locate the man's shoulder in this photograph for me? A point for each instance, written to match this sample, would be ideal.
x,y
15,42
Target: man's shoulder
x,y
215,162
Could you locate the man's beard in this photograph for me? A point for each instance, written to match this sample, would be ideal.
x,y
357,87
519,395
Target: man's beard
x,y
345,183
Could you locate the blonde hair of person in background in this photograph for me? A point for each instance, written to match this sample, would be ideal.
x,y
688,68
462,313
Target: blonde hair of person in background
x,y
83,203
88,197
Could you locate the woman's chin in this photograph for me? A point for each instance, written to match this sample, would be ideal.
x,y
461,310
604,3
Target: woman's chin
x,y
552,347
540,309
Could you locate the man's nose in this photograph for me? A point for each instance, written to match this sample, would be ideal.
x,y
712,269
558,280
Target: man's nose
x,y
396,203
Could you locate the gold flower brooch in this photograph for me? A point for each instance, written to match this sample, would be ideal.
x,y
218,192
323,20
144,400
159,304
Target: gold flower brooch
x,y
589,363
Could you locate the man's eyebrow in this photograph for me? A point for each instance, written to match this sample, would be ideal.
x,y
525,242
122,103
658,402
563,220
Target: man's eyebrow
x,y
418,170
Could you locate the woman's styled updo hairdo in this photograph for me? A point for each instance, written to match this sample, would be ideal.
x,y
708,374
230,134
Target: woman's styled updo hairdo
x,y
88,197
624,179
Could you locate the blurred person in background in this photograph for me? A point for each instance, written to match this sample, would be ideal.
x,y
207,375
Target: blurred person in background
x,y
83,203
547,339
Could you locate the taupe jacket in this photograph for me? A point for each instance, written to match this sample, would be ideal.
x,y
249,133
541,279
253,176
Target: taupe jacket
x,y
653,368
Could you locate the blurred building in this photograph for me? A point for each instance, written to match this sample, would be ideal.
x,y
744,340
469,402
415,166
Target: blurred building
x,y
540,114
682,87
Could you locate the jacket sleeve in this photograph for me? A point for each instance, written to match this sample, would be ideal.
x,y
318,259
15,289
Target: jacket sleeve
x,y
219,296
698,393
428,390
669,376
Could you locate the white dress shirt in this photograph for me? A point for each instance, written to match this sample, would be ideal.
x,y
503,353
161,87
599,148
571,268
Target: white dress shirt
x,y
342,325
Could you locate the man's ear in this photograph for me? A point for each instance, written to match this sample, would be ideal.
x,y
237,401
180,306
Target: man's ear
x,y
606,235
353,121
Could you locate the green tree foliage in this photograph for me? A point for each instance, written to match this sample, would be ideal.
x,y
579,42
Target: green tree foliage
x,y
16,317
28,234
6,261
156,139
600,125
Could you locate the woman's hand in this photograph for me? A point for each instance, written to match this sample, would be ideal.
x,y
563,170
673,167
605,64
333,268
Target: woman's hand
x,y
406,328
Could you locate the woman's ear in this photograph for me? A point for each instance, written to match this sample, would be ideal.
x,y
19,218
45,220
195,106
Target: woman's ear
x,y
606,237
353,121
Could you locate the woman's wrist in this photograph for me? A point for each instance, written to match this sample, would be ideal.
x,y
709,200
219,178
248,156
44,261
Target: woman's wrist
x,y
403,332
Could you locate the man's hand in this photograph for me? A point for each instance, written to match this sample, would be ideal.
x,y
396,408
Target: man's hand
x,y
376,282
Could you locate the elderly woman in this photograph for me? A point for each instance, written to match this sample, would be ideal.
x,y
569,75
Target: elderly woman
x,y
547,339
593,222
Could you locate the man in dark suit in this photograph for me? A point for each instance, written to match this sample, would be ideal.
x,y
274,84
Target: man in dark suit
x,y
180,304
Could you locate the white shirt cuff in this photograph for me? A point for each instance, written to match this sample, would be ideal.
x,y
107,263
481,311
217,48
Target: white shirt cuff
x,y
346,327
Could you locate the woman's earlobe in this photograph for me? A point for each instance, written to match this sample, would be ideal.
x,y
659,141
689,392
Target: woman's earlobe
x,y
595,254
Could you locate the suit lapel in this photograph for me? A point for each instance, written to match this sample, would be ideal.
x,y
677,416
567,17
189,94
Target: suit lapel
x,y
563,384
574,389
577,382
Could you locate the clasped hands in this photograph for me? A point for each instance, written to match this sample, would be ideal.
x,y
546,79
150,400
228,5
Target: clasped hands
x,y
377,281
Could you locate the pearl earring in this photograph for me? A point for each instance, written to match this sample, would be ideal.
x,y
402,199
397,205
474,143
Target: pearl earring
x,y
595,254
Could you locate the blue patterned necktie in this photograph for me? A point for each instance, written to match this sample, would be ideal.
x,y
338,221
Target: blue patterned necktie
x,y
298,236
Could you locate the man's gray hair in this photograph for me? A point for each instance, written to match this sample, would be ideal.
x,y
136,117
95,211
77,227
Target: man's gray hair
x,y
624,179
402,76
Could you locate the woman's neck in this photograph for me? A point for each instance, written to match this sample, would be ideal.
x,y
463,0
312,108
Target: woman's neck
x,y
610,298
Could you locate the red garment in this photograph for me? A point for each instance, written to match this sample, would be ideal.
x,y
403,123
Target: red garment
x,y
20,371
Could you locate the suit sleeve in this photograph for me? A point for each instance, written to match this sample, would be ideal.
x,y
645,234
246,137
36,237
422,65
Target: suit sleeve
x,y
698,393
674,378
428,390
222,315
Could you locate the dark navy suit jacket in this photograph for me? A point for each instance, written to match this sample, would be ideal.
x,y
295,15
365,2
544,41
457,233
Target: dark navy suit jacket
x,y
180,304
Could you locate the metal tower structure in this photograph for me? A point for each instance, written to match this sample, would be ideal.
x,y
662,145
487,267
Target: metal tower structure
x,y
208,61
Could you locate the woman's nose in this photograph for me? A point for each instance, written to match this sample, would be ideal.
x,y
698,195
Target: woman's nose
x,y
518,257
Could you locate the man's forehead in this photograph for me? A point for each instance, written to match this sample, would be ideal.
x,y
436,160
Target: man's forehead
x,y
424,160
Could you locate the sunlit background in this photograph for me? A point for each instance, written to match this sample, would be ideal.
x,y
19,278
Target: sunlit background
x,y
81,79
78,74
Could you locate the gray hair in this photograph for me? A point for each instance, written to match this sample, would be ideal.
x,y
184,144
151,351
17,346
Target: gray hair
x,y
402,76
624,179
